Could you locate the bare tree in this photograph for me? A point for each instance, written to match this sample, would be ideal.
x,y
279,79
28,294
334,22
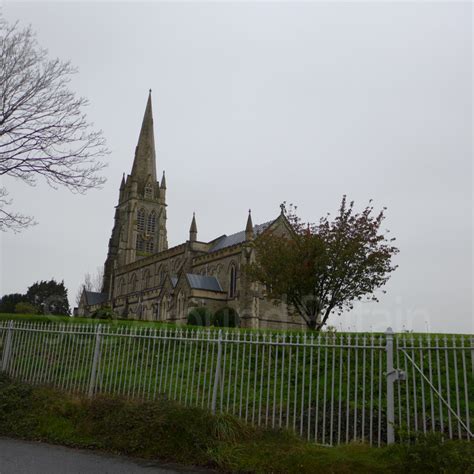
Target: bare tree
x,y
91,283
43,129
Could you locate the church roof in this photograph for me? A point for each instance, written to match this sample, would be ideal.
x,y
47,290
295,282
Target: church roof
x,y
237,238
201,282
93,298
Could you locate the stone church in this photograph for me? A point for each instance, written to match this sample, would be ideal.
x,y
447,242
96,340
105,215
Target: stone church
x,y
145,279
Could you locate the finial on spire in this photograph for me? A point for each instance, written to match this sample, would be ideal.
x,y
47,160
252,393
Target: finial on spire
x,y
282,208
249,227
163,181
193,229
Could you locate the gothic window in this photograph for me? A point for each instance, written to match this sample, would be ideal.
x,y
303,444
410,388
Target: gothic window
x,y
232,281
164,308
141,220
162,276
122,290
149,247
140,244
148,191
133,283
180,309
151,224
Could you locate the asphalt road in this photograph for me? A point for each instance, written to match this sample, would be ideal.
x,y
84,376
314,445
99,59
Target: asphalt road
x,y
25,457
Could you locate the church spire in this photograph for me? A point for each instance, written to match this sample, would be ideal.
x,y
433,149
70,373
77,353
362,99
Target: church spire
x,y
144,164
193,231
249,227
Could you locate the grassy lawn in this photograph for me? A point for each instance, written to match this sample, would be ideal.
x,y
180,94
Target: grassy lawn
x,y
321,391
165,430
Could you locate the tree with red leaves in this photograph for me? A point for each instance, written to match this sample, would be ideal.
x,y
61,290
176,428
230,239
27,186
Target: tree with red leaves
x,y
326,267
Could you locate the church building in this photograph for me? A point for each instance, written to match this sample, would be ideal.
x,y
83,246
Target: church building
x,y
145,279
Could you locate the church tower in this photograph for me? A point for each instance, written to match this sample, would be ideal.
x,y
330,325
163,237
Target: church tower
x,y
140,217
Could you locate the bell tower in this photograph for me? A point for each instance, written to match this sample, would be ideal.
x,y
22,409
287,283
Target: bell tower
x,y
140,217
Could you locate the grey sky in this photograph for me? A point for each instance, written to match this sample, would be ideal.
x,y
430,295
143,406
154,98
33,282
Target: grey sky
x,y
256,103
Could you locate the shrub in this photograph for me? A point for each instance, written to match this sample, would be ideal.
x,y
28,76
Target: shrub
x,y
103,313
23,307
226,317
199,316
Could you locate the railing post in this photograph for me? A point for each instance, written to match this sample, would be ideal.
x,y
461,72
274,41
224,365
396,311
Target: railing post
x,y
95,361
7,348
391,377
217,372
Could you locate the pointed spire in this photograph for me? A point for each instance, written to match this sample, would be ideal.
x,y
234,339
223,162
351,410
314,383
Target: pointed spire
x,y
249,227
163,181
193,229
144,164
122,184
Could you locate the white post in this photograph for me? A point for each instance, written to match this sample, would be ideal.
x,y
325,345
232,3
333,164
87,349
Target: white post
x,y
7,347
95,361
391,377
217,372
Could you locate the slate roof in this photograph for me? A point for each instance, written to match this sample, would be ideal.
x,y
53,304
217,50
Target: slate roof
x,y
201,282
238,238
93,298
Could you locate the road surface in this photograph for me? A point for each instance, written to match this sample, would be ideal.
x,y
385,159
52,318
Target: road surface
x,y
26,457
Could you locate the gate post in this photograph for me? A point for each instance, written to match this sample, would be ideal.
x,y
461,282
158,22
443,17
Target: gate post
x,y
217,372
391,377
95,361
7,347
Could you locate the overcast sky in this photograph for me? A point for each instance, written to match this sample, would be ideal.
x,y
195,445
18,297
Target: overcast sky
x,y
257,103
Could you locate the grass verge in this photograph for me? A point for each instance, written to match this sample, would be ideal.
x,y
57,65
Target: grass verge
x,y
167,431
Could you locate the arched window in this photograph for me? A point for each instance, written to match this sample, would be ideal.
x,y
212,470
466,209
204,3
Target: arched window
x,y
141,220
151,224
122,290
149,246
140,244
164,308
133,283
180,309
232,281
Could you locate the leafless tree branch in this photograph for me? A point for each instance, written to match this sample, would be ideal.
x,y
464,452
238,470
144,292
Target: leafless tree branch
x,y
43,129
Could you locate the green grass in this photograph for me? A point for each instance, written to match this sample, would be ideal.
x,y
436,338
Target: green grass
x,y
167,431
257,385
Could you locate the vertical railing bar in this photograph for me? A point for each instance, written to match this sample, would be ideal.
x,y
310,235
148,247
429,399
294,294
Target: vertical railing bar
x,y
269,371
466,395
295,399
371,390
217,373
282,378
381,353
325,383
364,356
311,353
341,388
348,385
440,388
303,386
289,382
356,386
415,400
261,380
333,371
422,383
244,347
430,373
448,388
456,383
316,417
237,350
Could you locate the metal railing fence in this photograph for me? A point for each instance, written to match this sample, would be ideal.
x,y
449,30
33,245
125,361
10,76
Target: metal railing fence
x,y
328,388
